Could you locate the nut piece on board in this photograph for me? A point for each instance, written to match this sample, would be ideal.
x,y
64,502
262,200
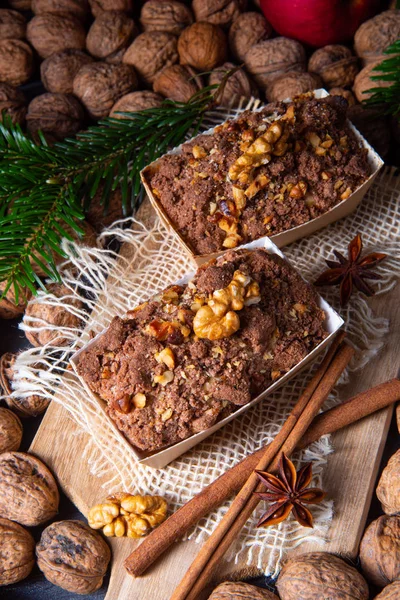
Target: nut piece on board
x,y
388,490
178,82
99,6
60,115
320,576
73,556
217,12
169,16
151,52
29,405
239,590
136,101
248,29
12,25
28,491
59,70
202,46
16,61
390,592
50,33
78,8
10,431
17,552
376,34
380,550
335,64
110,35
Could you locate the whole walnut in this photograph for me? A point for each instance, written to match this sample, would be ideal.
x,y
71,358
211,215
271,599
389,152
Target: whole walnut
x,y
17,552
58,71
237,85
29,404
16,62
8,307
110,35
373,125
292,84
96,215
20,4
388,490
28,491
238,590
136,101
12,25
13,103
376,34
380,550
335,64
217,12
73,556
320,576
52,319
151,52
347,94
178,83
50,33
390,592
58,114
100,85
78,8
202,46
169,16
363,82
10,431
398,414
248,29
99,6
267,60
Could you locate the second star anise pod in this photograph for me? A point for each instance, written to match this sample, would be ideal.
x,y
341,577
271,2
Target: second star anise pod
x,y
352,271
288,492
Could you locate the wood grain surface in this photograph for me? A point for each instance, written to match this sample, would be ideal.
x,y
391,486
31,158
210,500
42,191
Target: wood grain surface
x,y
349,478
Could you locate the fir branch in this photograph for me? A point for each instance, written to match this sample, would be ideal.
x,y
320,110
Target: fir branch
x,y
44,190
388,97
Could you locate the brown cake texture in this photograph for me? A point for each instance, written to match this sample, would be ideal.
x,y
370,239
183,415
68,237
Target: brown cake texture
x,y
260,174
193,354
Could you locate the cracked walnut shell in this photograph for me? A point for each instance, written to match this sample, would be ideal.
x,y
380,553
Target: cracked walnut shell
x,y
376,34
12,25
380,550
292,84
178,83
100,85
59,70
169,16
308,576
73,556
335,64
99,6
239,590
110,35
49,33
78,8
388,490
28,405
136,101
238,85
17,552
248,29
151,52
10,431
28,491
127,515
217,12
16,62
60,115
202,46
268,59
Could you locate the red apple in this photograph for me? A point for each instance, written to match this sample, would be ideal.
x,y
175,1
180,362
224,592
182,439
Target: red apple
x,y
318,22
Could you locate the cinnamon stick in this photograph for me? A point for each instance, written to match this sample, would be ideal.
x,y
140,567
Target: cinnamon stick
x,y
174,528
203,567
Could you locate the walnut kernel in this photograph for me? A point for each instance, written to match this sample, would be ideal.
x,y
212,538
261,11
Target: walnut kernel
x,y
17,552
16,62
292,84
78,8
110,35
380,550
248,29
10,431
170,16
202,46
235,590
28,491
151,52
12,24
217,12
99,6
237,86
100,85
60,115
376,34
73,556
178,82
388,490
58,71
135,102
335,64
49,33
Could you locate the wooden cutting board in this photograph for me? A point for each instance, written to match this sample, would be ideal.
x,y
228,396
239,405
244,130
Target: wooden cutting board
x,y
349,480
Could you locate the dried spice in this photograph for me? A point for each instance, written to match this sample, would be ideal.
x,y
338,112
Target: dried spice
x,y
288,491
352,271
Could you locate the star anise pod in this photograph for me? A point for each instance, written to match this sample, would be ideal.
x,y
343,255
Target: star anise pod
x,y
288,491
352,271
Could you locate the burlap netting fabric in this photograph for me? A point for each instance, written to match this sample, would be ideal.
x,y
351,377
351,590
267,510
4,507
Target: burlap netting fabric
x,y
149,260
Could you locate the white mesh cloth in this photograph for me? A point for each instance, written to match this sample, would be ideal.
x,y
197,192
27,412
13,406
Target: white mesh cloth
x,y
149,260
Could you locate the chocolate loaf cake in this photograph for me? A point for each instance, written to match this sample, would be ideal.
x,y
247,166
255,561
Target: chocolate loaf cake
x,y
193,354
260,174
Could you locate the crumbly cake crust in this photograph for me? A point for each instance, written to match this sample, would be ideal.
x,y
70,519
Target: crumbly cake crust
x,y
163,383
320,164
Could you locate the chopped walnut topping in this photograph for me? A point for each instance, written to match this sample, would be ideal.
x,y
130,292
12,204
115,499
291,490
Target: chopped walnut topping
x,y
139,400
199,152
167,357
165,378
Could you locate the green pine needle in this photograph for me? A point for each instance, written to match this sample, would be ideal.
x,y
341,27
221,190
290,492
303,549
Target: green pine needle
x,y
45,191
387,98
